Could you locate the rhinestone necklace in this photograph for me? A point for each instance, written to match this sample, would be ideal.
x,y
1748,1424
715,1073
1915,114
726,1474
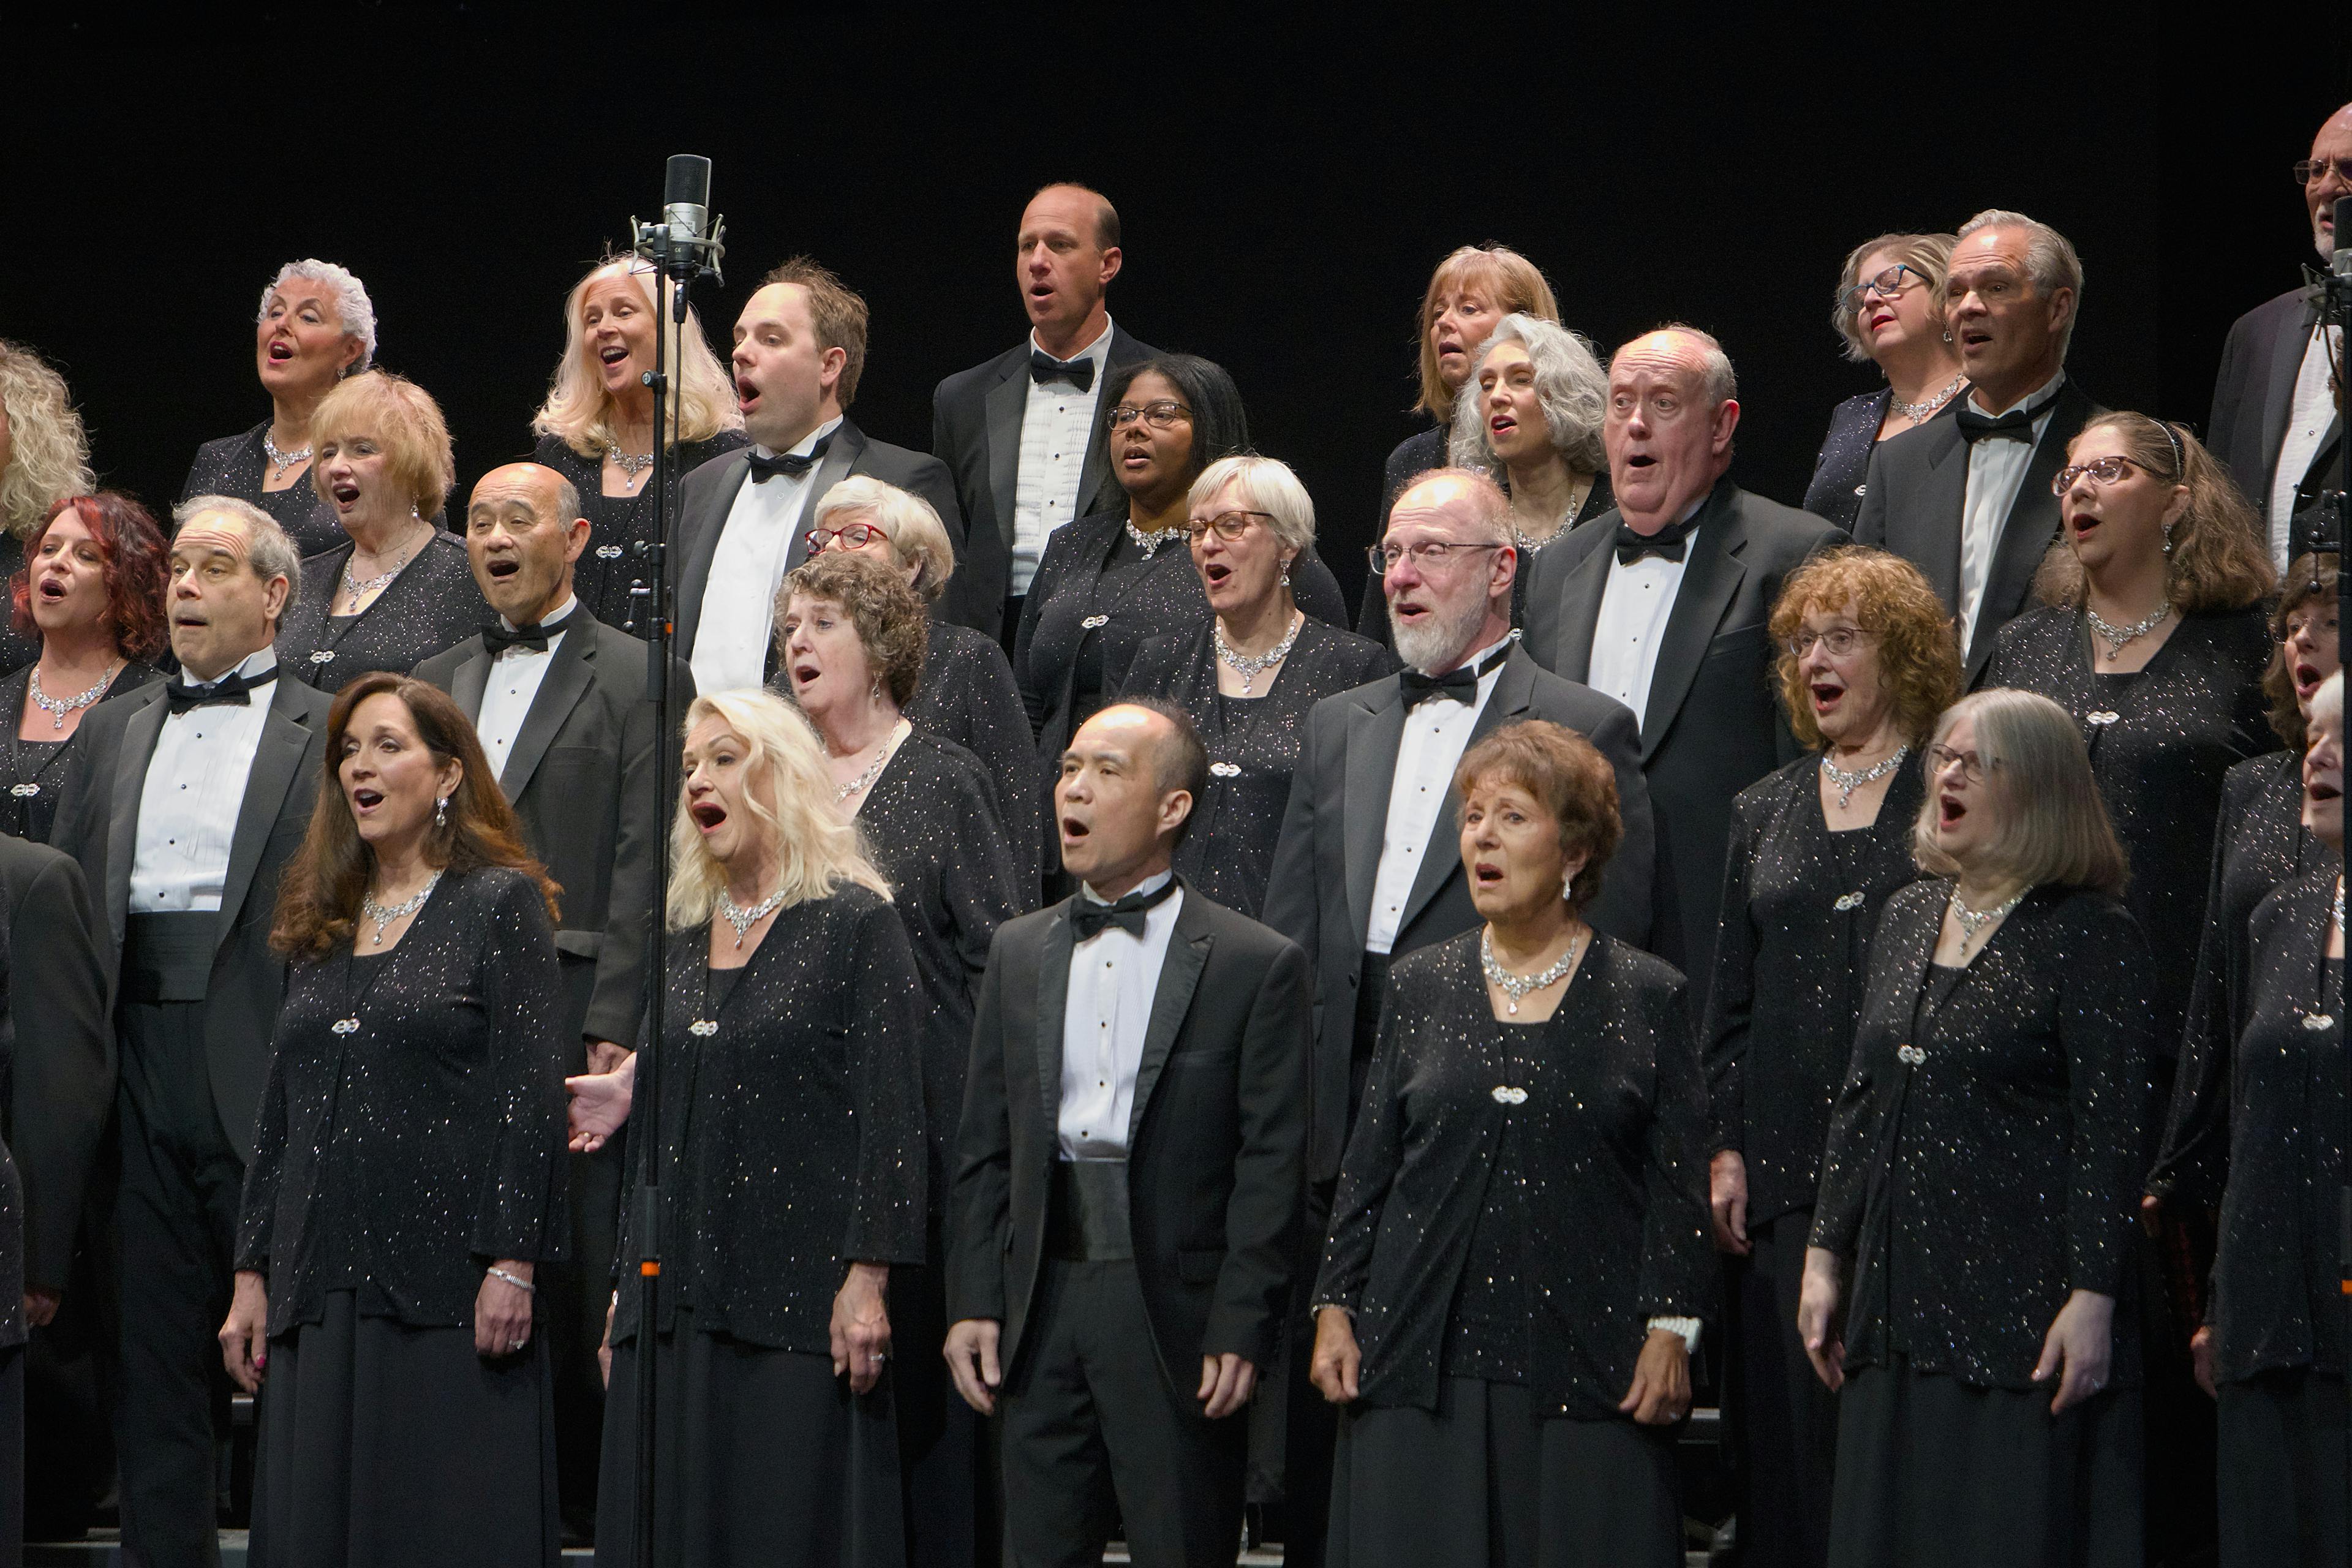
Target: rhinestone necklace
x,y
889,747
1515,987
384,915
1974,920
1919,412
743,919
1848,782
633,464
2339,902
57,707
2119,638
281,461
362,587
1151,542
1248,666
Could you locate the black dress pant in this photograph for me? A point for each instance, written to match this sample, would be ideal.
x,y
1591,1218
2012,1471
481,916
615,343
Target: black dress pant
x,y
176,1221
1784,1418
1089,1422
2282,1470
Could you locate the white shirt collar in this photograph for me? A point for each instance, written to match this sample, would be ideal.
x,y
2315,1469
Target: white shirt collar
x,y
1148,886
2027,400
1098,350
807,443
1478,657
562,614
251,665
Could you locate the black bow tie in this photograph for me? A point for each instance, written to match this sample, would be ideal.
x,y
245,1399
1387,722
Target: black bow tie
x,y
791,465
1669,544
1087,918
236,689
1456,685
2017,425
498,639
1044,367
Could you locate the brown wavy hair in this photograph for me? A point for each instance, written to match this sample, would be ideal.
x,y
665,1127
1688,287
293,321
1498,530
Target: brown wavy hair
x,y
319,899
1515,283
1918,651
1569,777
130,565
2310,580
890,621
2221,558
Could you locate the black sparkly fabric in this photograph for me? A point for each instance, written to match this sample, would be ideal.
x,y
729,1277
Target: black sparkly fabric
x,y
2276,1300
617,525
1228,849
17,648
1980,1187
236,464
1844,462
931,821
433,604
32,771
1800,904
792,1134
1487,1327
406,1156
2259,843
967,696
1610,1186
2178,725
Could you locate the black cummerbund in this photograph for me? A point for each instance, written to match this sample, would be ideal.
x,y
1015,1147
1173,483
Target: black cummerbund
x,y
168,958
1085,1213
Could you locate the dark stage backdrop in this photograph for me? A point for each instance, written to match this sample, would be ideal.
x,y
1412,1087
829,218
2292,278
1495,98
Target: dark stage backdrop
x,y
1284,191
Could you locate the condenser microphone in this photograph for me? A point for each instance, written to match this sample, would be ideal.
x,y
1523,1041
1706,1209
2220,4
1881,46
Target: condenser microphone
x,y
686,198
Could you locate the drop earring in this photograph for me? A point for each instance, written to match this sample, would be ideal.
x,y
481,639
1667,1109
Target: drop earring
x,y
1286,573
441,812
1567,888
1948,334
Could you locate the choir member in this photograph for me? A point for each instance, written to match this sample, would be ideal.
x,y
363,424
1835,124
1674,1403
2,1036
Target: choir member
x,y
1474,288
1974,1222
43,458
1518,1263
2274,395
791,1172
1022,433
93,596
1126,1204
406,1182
967,693
853,635
398,588
558,700
597,428
315,327
1889,311
1248,678
745,516
1967,500
184,803
2278,1319
1663,605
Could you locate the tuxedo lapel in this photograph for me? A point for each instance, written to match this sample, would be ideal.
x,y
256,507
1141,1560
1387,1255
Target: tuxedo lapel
x,y
139,737
1930,529
1053,1004
2278,399
276,760
1578,610
571,670
1710,581
841,455
1375,734
1179,976
1442,858
702,544
1007,405
470,680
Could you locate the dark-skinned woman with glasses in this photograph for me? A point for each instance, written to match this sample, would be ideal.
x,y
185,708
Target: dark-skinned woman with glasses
x,y
1890,310
1249,675
1109,582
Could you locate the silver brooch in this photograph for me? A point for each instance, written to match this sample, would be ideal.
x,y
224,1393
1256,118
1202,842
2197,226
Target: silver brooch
x,y
1226,770
1092,622
2103,716
608,553
1909,1055
706,1027
322,656
25,792
2315,1022
346,1026
1851,901
1505,1095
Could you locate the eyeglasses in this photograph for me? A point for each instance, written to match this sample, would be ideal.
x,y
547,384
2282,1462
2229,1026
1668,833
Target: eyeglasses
x,y
1973,768
1840,641
2101,470
1885,285
2317,623
1159,416
1230,525
1428,554
855,536
2311,170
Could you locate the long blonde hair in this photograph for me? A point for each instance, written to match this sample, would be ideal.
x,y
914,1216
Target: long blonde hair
x,y
49,456
819,848
579,413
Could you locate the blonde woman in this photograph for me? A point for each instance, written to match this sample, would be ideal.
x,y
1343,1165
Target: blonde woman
x,y
793,1172
597,428
43,458
1889,311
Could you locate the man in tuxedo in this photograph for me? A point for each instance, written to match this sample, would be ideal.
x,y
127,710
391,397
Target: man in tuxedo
x,y
744,517
1126,1197
2273,411
1023,432
182,806
1966,497
559,701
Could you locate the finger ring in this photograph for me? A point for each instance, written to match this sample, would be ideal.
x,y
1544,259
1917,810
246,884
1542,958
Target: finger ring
x,y
516,1346
881,1355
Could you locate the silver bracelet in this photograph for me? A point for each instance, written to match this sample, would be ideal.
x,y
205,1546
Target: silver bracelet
x,y
514,1279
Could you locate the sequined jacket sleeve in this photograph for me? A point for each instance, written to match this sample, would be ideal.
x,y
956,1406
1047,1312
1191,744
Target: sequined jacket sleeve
x,y
258,1210
521,1213
1725,1029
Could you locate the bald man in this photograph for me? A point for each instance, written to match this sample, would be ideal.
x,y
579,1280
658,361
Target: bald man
x,y
1019,433
559,701
2273,416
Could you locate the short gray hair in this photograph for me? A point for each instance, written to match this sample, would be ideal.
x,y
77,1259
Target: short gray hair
x,y
1268,486
2050,259
1490,514
916,534
1714,365
567,497
353,310
1569,383
270,547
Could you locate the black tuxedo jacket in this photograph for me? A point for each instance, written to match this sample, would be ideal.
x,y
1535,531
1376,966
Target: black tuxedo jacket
x,y
1214,1146
1320,893
708,494
2253,391
1917,484
581,776
1714,724
98,825
976,430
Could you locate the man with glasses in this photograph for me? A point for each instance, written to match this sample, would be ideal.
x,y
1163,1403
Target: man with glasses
x,y
2273,424
1369,868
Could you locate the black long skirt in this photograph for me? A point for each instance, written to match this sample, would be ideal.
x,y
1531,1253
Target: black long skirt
x,y
761,1456
382,1444
12,1456
1482,1482
1783,1419
1933,1473
2282,1470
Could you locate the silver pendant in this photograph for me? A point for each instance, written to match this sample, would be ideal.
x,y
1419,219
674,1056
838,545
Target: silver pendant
x,y
1850,901
1505,1094
703,1029
2315,1022
346,1026
1910,1056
